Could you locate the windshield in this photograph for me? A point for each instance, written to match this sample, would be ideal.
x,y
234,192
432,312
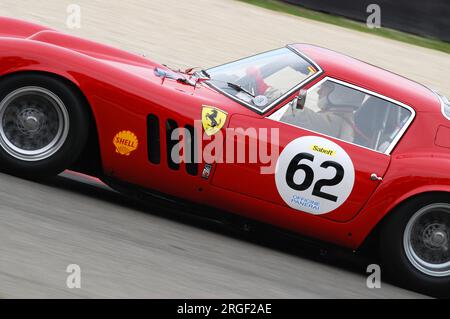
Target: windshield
x,y
261,80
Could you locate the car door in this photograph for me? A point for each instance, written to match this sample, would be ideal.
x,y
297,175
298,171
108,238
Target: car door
x,y
313,172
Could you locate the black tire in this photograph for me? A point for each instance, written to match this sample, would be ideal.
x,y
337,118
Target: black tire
x,y
394,258
68,108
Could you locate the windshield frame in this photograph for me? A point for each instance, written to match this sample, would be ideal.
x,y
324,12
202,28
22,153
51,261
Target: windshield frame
x,y
274,103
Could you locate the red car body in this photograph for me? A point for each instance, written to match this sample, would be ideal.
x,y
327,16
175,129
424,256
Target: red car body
x,y
122,90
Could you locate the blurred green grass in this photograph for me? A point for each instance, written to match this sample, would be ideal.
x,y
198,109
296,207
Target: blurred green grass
x,y
279,6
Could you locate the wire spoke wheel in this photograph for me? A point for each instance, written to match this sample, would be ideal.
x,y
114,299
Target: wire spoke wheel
x,y
426,240
34,123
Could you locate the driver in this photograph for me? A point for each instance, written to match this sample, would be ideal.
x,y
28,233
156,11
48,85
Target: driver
x,y
334,113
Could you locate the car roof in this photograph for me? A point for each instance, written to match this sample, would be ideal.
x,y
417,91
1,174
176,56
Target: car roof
x,y
373,78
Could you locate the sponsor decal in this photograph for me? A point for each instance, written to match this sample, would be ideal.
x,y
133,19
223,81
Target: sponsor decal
x,y
125,142
314,175
323,150
311,70
213,119
302,202
206,171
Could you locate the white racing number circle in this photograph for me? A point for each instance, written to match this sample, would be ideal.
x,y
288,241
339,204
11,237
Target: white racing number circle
x,y
314,175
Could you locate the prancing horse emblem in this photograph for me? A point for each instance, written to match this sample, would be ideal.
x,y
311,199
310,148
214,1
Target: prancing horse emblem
x,y
213,119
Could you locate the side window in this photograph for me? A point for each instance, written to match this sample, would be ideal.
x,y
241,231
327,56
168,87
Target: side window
x,y
348,114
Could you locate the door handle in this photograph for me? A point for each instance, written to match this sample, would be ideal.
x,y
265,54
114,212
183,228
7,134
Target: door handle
x,y
375,177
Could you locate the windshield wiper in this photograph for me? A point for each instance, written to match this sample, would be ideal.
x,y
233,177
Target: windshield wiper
x,y
239,88
232,85
205,73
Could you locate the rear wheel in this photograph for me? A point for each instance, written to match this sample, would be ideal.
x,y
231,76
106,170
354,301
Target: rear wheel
x,y
415,245
43,125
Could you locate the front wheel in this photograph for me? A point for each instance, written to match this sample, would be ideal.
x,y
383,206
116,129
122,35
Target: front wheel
x,y
43,125
415,245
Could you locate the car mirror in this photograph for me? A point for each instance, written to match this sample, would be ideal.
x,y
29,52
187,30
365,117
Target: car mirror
x,y
299,102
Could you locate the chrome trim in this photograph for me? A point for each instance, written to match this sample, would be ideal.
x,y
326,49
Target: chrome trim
x,y
434,270
54,145
374,177
303,55
441,99
284,96
276,115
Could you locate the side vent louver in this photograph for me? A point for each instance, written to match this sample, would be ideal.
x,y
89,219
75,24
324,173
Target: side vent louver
x,y
153,139
154,146
171,125
191,166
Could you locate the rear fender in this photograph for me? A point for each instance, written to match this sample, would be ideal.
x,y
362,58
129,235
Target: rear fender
x,y
426,175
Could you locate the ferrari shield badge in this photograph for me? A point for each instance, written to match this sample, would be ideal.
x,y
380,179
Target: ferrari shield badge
x,y
125,142
213,119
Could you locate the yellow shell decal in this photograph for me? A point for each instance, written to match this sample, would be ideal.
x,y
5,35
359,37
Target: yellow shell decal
x,y
125,142
213,119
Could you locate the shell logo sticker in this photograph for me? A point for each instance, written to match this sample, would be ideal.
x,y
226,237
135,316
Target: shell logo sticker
x,y
125,142
213,119
314,175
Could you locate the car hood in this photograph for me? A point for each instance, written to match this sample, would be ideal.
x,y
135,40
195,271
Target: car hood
x,y
120,59
91,48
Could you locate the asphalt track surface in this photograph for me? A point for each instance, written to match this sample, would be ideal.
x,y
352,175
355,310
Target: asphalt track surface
x,y
127,250
130,250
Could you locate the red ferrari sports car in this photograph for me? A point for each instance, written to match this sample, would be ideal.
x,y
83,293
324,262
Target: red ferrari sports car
x,y
300,137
